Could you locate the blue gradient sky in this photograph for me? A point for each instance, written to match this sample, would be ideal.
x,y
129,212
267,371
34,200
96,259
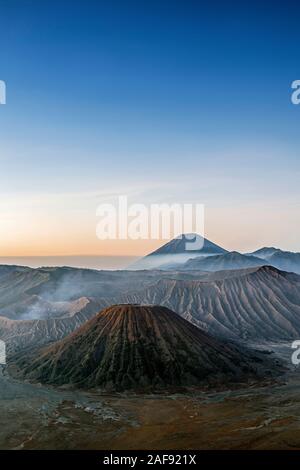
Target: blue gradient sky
x,y
165,101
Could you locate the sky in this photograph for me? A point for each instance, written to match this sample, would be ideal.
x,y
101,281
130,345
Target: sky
x,y
166,102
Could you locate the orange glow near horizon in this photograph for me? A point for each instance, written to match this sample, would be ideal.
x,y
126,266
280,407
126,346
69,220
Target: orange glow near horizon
x,y
227,233
59,229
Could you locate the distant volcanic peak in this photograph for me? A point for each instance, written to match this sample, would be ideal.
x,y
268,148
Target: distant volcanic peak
x,y
177,251
139,347
186,243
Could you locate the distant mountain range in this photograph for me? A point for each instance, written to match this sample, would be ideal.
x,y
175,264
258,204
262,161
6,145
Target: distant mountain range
x,y
230,260
142,347
264,253
284,260
175,255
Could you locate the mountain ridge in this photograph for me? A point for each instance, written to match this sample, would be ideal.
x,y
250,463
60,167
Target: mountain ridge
x,y
259,304
229,260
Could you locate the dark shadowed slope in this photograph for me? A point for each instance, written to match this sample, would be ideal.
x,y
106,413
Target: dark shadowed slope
x,y
262,304
136,347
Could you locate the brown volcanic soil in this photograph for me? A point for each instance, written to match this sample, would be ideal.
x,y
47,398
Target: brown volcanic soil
x,y
141,347
37,417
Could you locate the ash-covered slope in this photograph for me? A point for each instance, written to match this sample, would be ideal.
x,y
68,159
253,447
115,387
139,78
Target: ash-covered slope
x,y
137,347
44,293
23,334
261,304
57,305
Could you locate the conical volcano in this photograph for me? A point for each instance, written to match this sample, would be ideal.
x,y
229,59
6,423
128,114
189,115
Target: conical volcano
x,y
139,347
178,251
189,242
